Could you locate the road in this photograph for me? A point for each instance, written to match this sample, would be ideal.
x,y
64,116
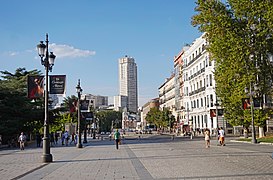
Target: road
x,y
151,157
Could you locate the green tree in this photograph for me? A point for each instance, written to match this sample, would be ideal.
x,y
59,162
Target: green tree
x,y
161,119
240,41
106,118
17,112
153,117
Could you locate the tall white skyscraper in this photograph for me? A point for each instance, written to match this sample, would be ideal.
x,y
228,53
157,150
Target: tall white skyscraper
x,y
128,82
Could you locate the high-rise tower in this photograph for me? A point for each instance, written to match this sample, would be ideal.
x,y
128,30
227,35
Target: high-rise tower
x,y
128,82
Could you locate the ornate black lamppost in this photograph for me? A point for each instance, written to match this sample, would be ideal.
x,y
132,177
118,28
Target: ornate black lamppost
x,y
47,61
79,91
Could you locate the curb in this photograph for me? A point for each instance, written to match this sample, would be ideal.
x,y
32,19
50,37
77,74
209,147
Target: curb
x,y
264,143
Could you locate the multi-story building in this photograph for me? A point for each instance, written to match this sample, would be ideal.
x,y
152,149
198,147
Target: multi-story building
x,y
128,82
167,95
120,103
199,87
179,87
154,103
95,101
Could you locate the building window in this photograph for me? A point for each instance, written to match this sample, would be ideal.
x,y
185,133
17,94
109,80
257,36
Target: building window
x,y
197,103
201,100
207,80
198,119
202,120
211,100
205,101
210,79
206,120
208,100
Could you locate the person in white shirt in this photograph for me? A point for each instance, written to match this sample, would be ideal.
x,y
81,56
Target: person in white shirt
x,y
22,139
207,138
222,137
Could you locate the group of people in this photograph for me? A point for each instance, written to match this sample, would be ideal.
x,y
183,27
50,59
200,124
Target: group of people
x,y
54,138
220,135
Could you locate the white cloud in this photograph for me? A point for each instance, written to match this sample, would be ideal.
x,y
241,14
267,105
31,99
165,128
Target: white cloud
x,y
62,51
13,53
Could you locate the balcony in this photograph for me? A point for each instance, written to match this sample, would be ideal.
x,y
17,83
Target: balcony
x,y
197,91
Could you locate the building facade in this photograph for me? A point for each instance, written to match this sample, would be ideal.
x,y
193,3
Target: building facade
x,y
95,101
154,103
167,95
179,89
199,95
128,82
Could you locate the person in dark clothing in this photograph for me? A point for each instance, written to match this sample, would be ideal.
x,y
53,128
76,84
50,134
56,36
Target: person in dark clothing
x,y
38,139
56,137
52,139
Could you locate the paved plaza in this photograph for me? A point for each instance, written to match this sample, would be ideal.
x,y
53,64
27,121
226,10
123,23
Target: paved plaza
x,y
152,157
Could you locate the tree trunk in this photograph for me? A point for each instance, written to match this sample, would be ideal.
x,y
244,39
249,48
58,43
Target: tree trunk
x,y
261,132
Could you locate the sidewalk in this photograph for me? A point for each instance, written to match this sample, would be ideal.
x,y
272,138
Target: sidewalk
x,y
152,157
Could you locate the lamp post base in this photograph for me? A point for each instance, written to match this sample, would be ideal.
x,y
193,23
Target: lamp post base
x,y
47,158
254,141
79,145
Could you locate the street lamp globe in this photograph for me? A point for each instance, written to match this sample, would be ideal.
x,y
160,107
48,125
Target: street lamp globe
x,y
51,59
78,88
41,49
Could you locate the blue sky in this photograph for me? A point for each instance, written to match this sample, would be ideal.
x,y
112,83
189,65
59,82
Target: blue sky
x,y
89,36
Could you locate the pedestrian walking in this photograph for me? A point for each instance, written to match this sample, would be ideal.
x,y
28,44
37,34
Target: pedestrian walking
x,y
22,139
222,136
52,139
76,138
218,136
66,137
38,139
63,138
73,138
117,138
207,138
56,137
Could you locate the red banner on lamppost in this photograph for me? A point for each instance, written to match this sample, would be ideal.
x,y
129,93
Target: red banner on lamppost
x,y
35,87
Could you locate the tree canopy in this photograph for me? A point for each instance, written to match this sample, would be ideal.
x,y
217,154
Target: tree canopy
x,y
17,112
240,41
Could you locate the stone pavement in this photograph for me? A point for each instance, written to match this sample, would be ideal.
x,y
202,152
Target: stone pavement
x,y
152,157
